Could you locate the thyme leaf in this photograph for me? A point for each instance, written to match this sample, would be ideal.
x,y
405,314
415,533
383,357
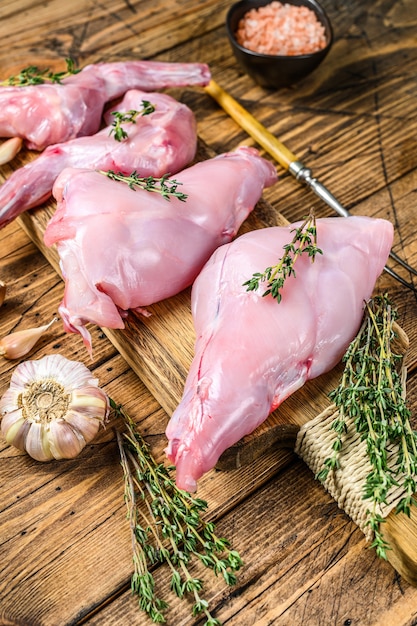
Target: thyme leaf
x,y
128,117
32,75
303,242
167,527
371,394
165,186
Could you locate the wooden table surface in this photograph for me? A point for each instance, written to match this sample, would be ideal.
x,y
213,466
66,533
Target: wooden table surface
x,y
65,550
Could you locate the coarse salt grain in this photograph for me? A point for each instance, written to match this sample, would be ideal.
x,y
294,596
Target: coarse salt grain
x,y
281,29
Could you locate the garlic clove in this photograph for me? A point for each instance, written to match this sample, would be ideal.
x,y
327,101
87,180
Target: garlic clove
x,y
37,443
9,149
9,420
64,441
91,401
18,344
3,289
83,424
15,428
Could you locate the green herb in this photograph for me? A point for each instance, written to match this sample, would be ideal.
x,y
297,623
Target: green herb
x,y
128,117
32,75
166,527
371,394
165,186
304,241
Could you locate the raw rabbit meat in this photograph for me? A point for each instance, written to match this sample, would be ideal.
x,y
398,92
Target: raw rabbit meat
x,y
159,142
122,249
48,113
251,352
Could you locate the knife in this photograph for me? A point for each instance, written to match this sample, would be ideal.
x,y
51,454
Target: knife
x,y
289,161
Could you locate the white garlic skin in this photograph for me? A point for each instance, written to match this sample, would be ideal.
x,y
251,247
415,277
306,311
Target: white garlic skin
x,y
53,408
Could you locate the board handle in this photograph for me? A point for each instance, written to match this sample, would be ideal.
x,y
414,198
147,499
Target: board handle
x,y
400,532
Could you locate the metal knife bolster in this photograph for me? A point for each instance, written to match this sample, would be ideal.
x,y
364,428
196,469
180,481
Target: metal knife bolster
x,y
305,175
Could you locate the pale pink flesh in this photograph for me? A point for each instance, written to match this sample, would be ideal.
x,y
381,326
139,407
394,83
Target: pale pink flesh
x,y
162,141
121,249
48,114
251,352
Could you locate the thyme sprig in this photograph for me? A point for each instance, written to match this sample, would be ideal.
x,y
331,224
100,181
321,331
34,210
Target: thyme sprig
x,y
371,393
304,241
128,117
167,527
164,185
33,75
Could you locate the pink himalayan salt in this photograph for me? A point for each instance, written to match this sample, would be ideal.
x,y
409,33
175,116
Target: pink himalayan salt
x,y
281,29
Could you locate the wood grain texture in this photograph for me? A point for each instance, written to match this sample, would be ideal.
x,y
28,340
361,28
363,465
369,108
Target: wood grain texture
x,y
293,576
63,524
63,534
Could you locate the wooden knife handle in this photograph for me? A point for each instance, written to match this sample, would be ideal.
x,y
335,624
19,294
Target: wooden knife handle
x,y
254,128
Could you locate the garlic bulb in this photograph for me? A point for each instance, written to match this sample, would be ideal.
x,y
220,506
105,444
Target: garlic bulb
x,y
53,408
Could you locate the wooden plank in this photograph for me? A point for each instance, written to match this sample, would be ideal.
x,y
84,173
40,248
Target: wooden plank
x,y
354,122
323,576
71,526
109,31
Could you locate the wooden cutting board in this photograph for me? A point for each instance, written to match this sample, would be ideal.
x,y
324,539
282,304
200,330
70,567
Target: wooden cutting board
x,y
159,348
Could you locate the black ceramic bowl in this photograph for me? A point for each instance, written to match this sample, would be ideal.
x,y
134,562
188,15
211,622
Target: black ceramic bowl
x,y
272,71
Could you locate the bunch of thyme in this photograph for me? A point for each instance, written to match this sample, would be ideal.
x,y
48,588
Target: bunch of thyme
x,y
371,394
166,527
304,241
128,117
165,186
32,75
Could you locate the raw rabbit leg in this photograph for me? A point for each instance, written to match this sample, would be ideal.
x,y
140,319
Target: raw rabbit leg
x,y
160,142
48,113
251,352
122,249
